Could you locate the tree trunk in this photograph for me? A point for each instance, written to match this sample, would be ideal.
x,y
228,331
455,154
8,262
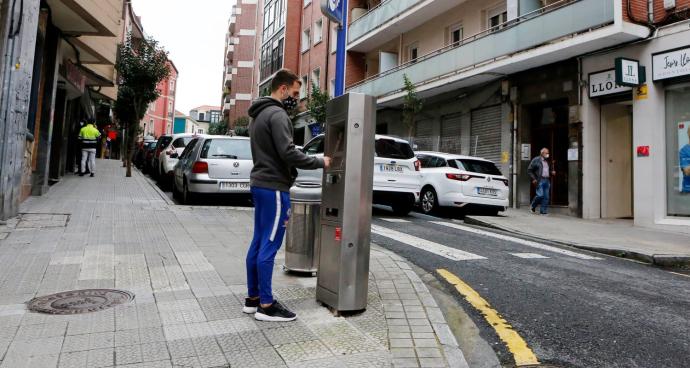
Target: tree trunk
x,y
129,150
123,149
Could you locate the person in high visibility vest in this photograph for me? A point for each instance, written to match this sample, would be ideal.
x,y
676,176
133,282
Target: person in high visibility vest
x,y
88,136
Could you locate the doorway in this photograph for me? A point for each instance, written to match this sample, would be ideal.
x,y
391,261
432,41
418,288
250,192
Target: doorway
x,y
549,129
616,160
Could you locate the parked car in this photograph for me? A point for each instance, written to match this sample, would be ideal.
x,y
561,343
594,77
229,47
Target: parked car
x,y
148,157
140,153
461,181
164,162
397,177
213,165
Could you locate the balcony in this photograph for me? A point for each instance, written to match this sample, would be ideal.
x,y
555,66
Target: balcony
x,y
557,32
231,52
87,17
391,18
228,80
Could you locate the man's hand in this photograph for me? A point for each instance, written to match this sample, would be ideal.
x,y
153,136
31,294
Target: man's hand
x,y
534,182
553,173
686,171
326,162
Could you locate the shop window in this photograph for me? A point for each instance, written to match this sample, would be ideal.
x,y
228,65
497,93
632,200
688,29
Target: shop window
x,y
678,150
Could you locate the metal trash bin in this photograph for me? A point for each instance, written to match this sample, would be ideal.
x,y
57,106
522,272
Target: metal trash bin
x,y
303,230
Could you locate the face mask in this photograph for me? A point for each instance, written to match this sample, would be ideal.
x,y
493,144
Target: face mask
x,y
289,102
546,155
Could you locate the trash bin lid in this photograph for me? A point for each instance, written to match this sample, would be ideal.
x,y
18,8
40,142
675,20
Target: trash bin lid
x,y
306,191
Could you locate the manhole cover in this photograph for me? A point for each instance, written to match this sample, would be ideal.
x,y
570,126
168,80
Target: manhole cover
x,y
80,301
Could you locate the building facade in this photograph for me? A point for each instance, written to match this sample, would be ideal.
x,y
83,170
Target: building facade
x,y
186,124
58,70
206,114
160,114
240,49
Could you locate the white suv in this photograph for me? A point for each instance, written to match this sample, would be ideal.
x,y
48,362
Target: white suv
x,y
397,178
461,181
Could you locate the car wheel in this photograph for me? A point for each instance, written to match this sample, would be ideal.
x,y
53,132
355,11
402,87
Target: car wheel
x,y
429,201
187,196
403,208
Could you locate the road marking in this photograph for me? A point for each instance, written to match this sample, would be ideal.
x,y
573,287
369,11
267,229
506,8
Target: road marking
x,y
529,255
394,220
528,243
426,245
522,354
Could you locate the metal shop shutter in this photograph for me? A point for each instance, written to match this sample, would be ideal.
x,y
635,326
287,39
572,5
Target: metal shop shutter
x,y
424,136
450,134
485,130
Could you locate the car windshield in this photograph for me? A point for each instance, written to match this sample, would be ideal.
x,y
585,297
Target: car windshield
x,y
475,166
164,141
182,142
237,149
389,148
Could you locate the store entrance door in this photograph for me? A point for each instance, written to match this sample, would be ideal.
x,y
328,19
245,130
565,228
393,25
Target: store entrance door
x,y
549,124
616,161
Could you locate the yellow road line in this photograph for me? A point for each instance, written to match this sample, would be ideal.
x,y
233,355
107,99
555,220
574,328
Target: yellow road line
x,y
518,347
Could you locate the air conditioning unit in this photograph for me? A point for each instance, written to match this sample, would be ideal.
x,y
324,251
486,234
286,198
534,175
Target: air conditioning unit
x,y
669,4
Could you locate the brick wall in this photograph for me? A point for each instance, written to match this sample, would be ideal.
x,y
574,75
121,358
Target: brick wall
x,y
245,51
293,34
319,55
355,68
639,10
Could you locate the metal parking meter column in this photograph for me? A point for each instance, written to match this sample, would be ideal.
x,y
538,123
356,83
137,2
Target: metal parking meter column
x,y
346,203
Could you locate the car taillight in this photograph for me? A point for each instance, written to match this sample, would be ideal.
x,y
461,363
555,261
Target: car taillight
x,y
461,177
417,165
200,167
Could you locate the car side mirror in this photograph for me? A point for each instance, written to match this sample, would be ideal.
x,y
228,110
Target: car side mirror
x,y
174,155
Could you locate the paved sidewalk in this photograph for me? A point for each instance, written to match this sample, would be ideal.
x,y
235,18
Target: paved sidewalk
x,y
186,267
615,237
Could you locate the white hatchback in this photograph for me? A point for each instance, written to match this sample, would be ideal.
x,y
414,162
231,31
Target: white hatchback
x,y
461,181
397,178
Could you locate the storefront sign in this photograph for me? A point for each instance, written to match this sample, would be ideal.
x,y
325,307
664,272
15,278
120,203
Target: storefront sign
x,y
641,92
671,64
526,152
333,10
75,76
573,154
604,84
629,72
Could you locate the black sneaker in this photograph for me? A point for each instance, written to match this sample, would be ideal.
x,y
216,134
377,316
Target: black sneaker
x,y
250,305
533,210
92,175
275,313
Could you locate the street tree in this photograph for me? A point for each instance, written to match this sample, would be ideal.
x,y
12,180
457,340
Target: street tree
x,y
219,128
143,64
317,104
242,126
412,106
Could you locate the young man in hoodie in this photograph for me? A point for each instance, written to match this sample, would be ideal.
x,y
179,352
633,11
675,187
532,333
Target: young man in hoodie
x,y
275,162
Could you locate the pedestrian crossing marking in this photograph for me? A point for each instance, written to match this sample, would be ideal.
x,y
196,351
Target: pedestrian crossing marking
x,y
529,255
394,220
426,245
528,243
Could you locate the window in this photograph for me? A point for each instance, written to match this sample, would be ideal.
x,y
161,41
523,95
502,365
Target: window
x,y
306,3
303,88
315,146
170,105
172,85
181,142
334,39
234,149
306,39
454,35
496,18
318,31
316,77
188,149
389,148
678,150
202,116
413,52
475,166
331,88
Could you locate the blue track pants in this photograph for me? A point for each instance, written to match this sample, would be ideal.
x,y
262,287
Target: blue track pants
x,y
271,214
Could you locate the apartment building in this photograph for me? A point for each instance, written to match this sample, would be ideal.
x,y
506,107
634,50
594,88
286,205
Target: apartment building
x,y
58,69
499,79
238,73
160,115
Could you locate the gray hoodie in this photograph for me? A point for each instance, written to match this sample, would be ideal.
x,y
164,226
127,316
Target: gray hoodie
x,y
274,153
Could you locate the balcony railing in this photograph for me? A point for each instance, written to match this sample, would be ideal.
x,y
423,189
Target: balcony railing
x,y
567,17
378,16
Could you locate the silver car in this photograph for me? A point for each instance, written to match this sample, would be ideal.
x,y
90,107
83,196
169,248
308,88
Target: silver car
x,y
213,165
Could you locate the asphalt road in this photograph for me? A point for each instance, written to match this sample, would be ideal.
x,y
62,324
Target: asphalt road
x,y
572,312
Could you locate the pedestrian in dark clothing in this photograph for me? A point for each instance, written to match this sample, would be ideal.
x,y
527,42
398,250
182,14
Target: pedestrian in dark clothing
x,y
540,172
275,162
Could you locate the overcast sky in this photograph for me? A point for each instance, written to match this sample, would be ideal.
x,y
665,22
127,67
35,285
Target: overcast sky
x,y
193,31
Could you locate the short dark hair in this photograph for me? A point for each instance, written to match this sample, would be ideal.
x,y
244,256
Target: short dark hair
x,y
284,77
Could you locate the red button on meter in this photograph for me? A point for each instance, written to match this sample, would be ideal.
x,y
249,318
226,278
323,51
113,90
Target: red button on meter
x,y
643,151
338,234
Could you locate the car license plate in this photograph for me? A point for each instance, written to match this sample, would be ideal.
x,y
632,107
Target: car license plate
x,y
231,186
391,168
487,191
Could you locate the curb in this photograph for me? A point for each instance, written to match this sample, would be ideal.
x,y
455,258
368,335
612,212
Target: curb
x,y
661,260
155,187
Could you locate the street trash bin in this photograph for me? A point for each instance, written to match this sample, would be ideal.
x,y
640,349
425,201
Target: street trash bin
x,y
303,230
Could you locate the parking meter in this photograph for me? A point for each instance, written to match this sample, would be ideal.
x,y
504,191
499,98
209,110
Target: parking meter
x,y
347,191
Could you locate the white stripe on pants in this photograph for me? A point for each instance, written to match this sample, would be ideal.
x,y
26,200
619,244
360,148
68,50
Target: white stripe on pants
x,y
90,154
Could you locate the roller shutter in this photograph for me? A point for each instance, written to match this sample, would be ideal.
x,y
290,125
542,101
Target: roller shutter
x,y
424,136
450,134
485,130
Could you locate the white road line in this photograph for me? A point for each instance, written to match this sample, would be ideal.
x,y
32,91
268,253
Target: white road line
x,y
429,246
528,243
529,255
394,220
